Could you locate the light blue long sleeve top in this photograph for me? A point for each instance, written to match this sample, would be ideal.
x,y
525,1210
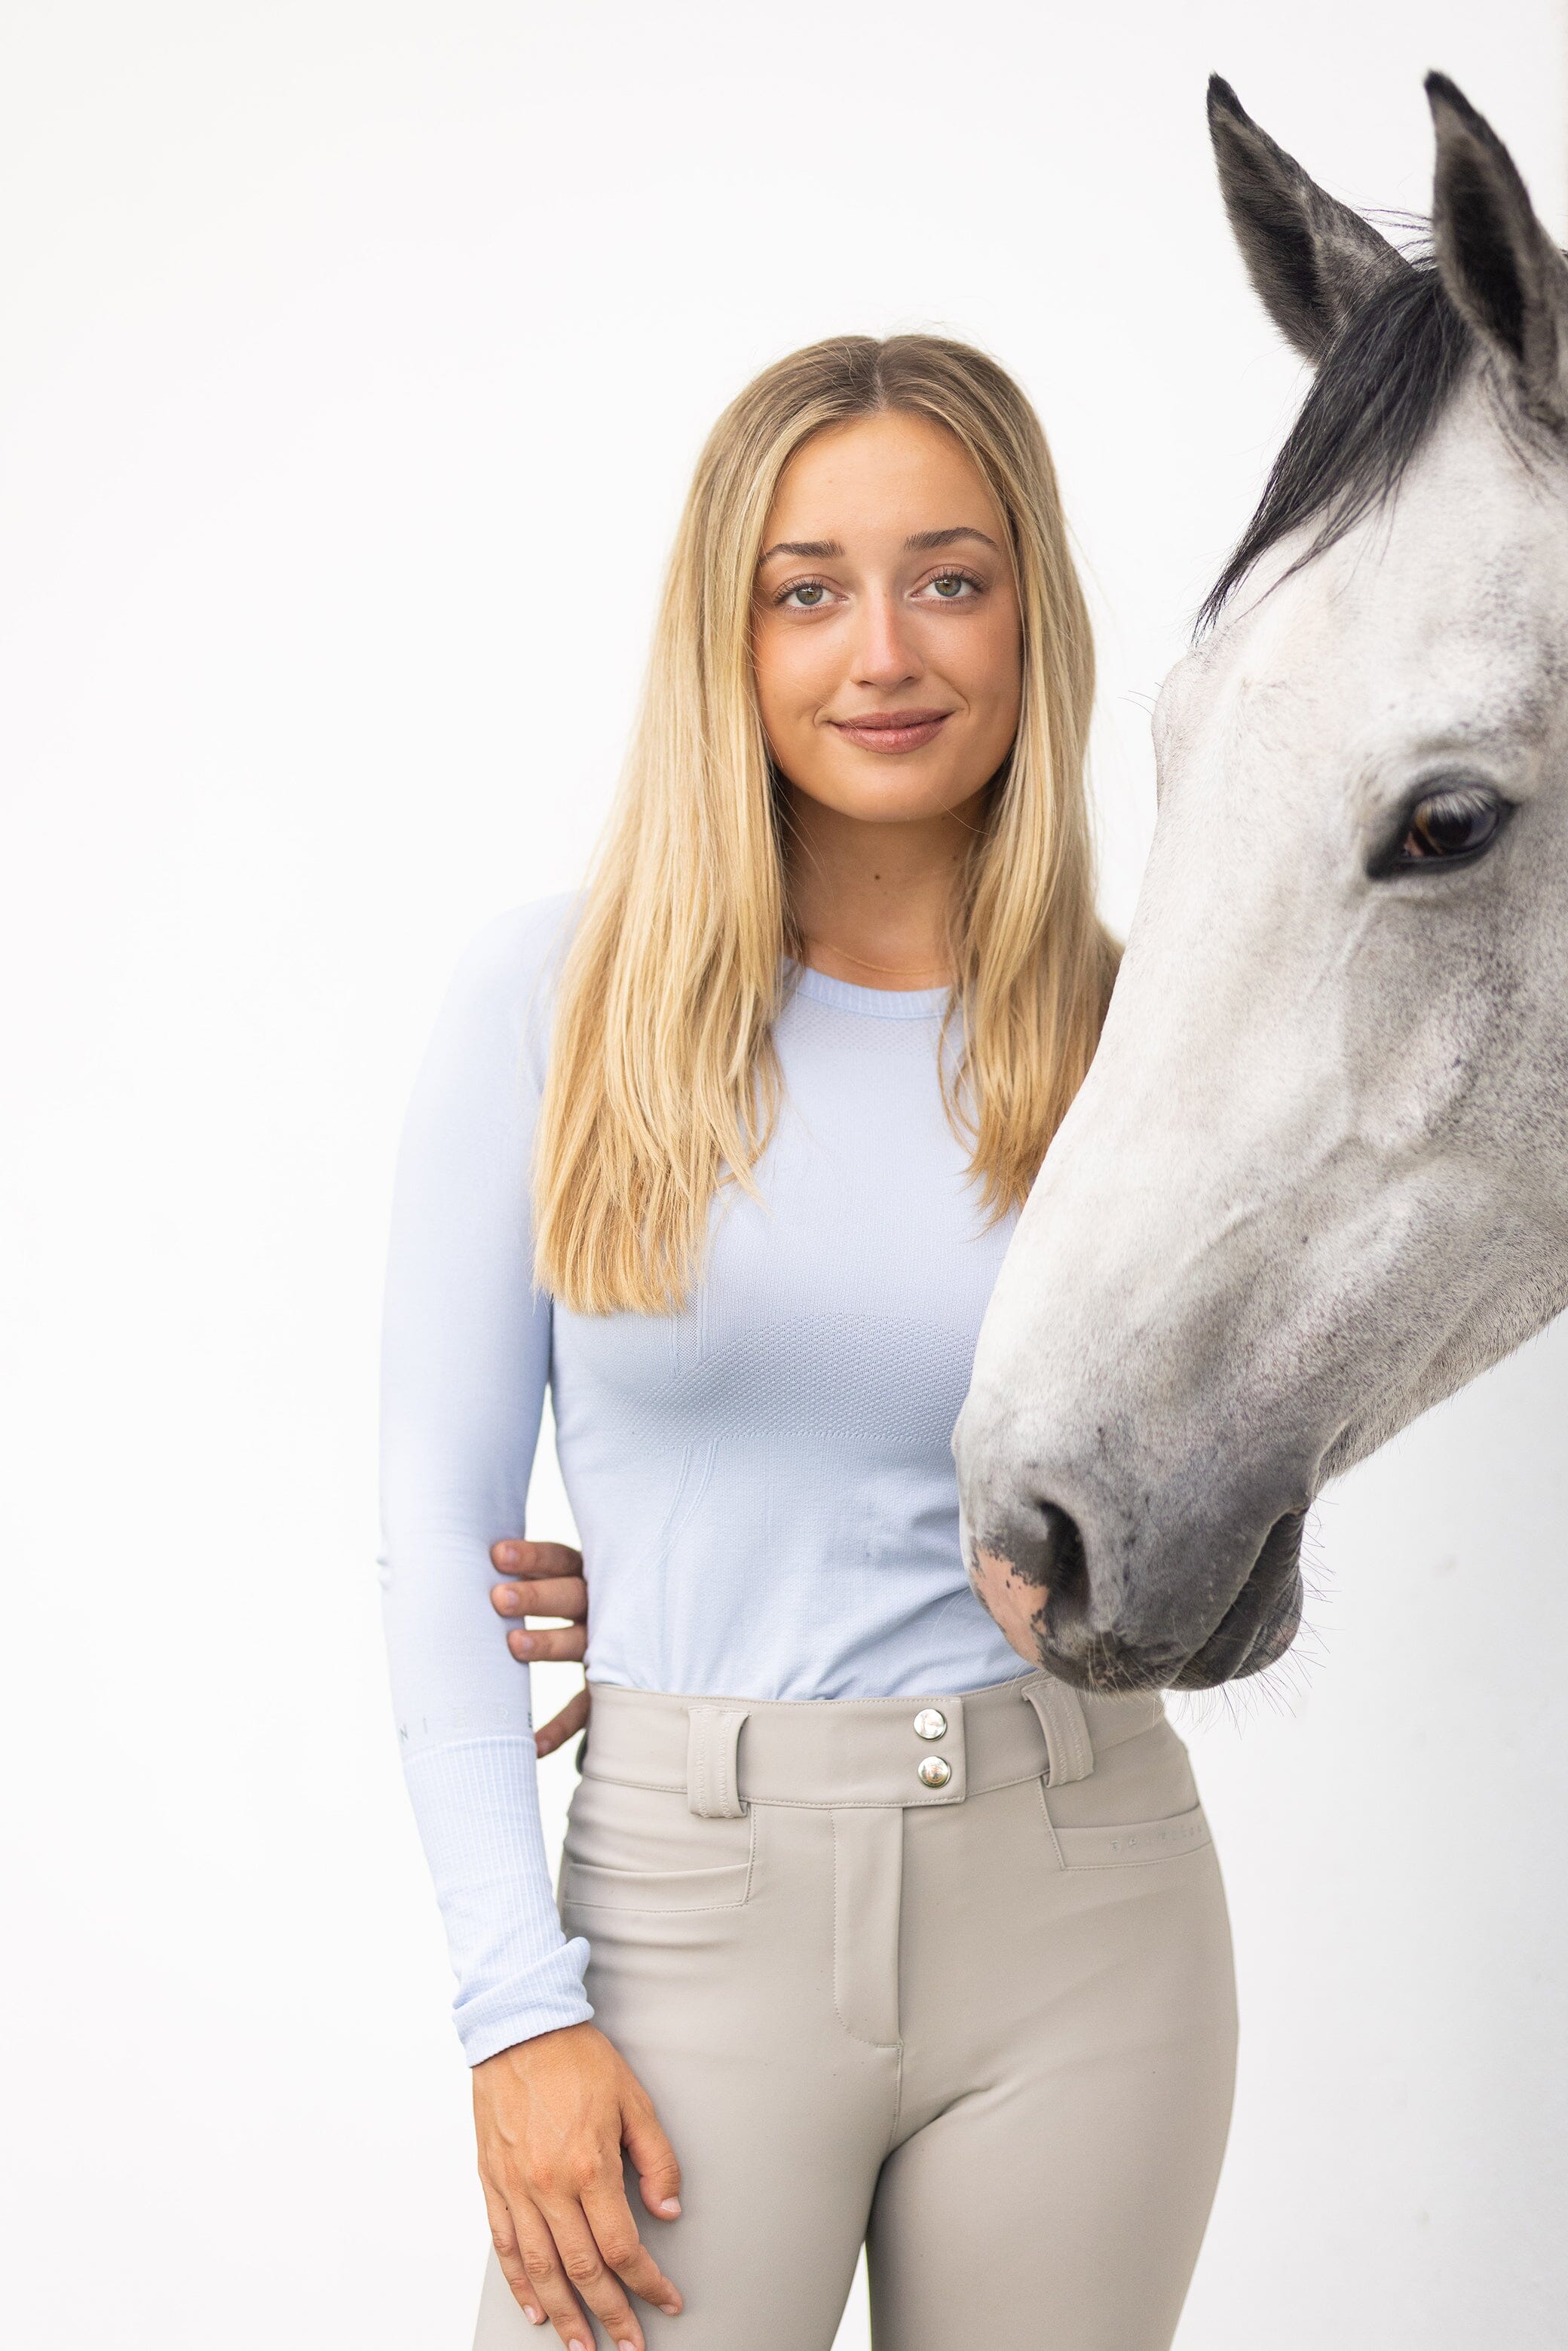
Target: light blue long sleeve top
x,y
762,1484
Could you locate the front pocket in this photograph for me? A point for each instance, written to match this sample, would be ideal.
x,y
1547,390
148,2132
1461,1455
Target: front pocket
x,y
1138,1806
584,1886
644,1849
1138,1842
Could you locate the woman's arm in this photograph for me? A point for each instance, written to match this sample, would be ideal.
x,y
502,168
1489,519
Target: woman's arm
x,y
466,1357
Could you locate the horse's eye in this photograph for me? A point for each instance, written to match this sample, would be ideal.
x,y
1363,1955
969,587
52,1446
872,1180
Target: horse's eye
x,y
1459,821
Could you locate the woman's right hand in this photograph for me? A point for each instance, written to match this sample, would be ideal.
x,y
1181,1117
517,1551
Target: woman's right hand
x,y
552,2115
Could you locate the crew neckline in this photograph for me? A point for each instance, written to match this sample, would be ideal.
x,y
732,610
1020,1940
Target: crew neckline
x,y
877,1003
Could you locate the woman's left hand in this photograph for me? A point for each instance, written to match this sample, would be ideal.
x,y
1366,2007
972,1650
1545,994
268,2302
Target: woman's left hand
x,y
545,1579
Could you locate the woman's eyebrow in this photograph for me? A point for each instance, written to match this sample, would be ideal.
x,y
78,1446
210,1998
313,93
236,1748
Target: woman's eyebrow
x,y
822,550
923,541
818,550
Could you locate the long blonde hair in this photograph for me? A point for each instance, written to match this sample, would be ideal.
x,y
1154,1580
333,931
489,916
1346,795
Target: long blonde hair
x,y
663,1080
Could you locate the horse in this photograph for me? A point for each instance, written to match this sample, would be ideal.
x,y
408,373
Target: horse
x,y
1317,1176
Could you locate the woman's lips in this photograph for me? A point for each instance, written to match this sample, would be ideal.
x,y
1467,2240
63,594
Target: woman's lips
x,y
892,730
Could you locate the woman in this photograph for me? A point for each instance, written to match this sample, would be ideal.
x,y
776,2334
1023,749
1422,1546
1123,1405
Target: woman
x,y
881,1939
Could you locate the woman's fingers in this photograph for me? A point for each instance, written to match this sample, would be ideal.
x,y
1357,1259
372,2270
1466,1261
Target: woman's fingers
x,y
540,1645
593,2274
556,1595
515,1557
543,1580
563,1726
542,1595
509,2254
547,2289
609,2216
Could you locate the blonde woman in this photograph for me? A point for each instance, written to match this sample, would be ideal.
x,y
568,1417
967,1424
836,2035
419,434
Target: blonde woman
x,y
864,1934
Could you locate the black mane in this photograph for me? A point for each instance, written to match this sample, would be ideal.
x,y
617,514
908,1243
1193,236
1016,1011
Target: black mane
x,y
1382,387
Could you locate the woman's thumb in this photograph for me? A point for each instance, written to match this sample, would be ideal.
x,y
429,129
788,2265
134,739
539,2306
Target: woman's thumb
x,y
658,2173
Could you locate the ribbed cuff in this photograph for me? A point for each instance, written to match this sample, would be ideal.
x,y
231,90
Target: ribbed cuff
x,y
539,2000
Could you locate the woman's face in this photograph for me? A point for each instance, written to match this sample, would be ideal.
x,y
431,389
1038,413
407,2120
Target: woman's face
x,y
885,622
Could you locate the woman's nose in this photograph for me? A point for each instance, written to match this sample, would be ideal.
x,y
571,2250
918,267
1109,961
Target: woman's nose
x,y
885,655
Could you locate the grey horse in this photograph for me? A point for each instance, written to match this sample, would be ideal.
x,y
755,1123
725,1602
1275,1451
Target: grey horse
x,y
1317,1177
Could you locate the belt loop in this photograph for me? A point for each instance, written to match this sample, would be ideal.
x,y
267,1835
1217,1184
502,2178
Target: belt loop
x,y
713,1778
1070,1752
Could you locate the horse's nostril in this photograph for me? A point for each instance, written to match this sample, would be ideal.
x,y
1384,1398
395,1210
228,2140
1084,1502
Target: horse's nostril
x,y
1063,1569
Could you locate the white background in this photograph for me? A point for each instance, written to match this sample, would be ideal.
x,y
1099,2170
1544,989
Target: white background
x,y
356,353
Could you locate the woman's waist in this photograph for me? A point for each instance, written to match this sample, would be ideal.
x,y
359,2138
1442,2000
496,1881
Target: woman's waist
x,y
922,1748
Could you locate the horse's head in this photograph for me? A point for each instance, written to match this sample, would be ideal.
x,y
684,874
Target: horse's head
x,y
1317,1176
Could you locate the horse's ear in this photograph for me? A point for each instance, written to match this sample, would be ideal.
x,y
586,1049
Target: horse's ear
x,y
1501,270
1314,261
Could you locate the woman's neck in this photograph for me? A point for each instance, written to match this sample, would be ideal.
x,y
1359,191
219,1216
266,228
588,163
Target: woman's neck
x,y
872,901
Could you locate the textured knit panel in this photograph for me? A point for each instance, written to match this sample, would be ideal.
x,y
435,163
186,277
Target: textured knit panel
x,y
476,1802
763,1484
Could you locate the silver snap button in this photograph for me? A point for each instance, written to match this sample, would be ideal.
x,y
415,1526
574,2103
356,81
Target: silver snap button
x,y
929,1723
935,1771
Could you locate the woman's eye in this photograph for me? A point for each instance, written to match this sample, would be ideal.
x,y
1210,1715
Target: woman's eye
x,y
810,592
1459,823
950,585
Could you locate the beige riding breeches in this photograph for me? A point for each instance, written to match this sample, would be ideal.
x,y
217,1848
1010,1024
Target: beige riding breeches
x,y
949,1977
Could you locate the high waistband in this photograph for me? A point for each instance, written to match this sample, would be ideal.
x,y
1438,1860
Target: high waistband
x,y
722,1754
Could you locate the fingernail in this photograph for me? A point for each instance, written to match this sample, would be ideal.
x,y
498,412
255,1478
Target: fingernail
x,y
671,2204
671,2309
531,2314
523,1644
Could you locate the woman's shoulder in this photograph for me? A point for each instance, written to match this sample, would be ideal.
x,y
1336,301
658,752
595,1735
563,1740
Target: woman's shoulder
x,y
513,961
503,984
523,945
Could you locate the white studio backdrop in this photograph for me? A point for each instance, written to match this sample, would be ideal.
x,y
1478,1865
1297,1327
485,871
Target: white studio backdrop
x,y
354,358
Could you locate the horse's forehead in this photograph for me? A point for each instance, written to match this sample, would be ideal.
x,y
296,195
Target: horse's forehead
x,y
1464,579
1448,609
1419,638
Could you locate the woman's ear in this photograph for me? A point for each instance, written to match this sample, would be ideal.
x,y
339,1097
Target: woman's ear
x,y
1501,270
1314,263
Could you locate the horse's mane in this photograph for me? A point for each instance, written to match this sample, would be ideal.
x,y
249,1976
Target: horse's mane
x,y
1381,388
